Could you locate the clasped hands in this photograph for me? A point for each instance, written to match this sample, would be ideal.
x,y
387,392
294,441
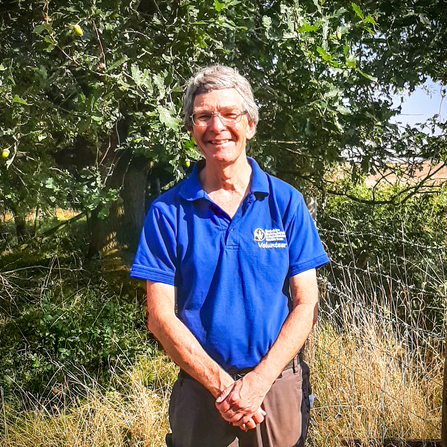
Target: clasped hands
x,y
240,403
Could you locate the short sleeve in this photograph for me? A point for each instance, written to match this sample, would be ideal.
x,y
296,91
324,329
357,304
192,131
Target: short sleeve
x,y
305,248
155,259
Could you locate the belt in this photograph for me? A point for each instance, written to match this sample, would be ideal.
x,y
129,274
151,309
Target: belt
x,y
242,372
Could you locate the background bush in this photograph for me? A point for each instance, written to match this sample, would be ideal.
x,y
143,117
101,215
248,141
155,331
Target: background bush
x,y
404,241
59,317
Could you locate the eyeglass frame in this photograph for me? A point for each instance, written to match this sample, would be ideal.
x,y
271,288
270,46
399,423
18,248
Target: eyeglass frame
x,y
218,114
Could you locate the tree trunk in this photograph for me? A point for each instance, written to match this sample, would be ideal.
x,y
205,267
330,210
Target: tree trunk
x,y
103,230
20,224
126,216
134,197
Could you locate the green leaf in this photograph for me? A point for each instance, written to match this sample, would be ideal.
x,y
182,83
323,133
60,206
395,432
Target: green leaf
x,y
159,82
50,43
307,27
136,74
42,71
369,19
18,100
218,6
350,61
39,29
340,12
367,76
324,54
49,48
424,20
346,49
146,81
166,118
267,22
343,110
49,183
117,62
357,10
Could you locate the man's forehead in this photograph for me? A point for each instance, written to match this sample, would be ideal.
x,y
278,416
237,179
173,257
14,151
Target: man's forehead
x,y
219,99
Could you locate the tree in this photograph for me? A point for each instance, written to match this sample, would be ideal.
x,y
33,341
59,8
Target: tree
x,y
91,94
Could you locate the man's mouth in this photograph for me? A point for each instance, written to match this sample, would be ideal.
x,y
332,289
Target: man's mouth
x,y
219,141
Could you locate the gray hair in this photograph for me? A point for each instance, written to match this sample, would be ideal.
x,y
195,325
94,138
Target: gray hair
x,y
217,77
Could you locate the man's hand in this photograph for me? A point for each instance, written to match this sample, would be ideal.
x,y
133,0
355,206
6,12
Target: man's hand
x,y
241,402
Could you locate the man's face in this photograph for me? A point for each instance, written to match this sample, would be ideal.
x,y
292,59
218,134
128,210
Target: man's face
x,y
217,141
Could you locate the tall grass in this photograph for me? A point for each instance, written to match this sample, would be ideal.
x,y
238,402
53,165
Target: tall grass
x,y
377,355
376,360
368,386
136,415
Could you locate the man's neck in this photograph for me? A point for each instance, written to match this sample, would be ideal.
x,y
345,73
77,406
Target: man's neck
x,y
227,186
234,177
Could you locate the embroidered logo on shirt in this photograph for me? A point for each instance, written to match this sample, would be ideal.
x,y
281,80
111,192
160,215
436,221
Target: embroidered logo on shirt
x,y
272,236
258,235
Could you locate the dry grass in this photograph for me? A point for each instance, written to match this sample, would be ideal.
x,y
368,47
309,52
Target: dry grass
x,y
59,213
371,389
376,364
367,386
374,375
135,417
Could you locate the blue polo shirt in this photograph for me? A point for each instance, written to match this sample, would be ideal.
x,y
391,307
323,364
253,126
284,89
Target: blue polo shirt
x,y
231,274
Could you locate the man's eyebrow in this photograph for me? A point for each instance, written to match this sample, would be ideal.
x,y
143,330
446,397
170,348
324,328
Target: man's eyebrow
x,y
220,109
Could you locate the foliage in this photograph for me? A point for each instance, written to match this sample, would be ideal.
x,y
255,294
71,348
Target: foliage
x,y
57,320
404,240
87,88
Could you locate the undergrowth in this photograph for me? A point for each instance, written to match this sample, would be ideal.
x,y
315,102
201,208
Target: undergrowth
x,y
78,367
60,314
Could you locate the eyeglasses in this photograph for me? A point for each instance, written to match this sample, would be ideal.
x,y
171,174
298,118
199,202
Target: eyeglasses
x,y
230,118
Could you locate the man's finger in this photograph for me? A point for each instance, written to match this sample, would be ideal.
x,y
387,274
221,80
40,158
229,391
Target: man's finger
x,y
235,418
250,425
259,416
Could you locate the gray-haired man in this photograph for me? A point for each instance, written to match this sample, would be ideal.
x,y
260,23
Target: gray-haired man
x,y
229,256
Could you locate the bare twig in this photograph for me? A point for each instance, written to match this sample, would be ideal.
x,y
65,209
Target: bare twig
x,y
100,44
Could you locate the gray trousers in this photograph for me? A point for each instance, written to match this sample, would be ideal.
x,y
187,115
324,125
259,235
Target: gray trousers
x,y
195,421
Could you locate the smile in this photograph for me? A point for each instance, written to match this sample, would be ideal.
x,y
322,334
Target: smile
x,y
219,141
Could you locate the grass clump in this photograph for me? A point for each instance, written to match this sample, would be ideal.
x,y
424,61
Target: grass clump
x,y
375,375
135,415
371,388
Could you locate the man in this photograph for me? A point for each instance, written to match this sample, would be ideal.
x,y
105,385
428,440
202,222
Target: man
x,y
229,256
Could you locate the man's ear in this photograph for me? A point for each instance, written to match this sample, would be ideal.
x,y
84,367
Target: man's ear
x,y
251,130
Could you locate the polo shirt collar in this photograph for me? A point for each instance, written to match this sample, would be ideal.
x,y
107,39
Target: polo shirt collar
x,y
192,189
259,181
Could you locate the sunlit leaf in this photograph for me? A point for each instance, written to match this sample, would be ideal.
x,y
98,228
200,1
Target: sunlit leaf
x,y
357,10
218,6
167,119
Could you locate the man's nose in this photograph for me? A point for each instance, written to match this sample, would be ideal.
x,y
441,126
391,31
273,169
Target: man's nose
x,y
216,122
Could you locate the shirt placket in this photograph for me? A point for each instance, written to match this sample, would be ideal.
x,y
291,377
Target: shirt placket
x,y
231,239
